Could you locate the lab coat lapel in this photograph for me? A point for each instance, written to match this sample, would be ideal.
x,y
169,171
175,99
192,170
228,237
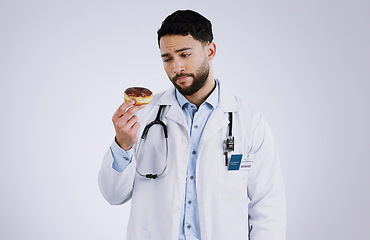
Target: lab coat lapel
x,y
218,119
174,112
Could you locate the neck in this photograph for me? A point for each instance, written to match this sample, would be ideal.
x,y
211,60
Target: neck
x,y
199,97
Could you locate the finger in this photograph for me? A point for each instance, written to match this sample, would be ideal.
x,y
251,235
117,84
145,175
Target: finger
x,y
132,131
132,110
122,109
135,128
130,123
125,125
129,113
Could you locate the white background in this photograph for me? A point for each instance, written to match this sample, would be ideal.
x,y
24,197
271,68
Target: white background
x,y
65,64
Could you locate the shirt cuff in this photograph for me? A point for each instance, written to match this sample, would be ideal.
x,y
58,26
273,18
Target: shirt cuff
x,y
121,158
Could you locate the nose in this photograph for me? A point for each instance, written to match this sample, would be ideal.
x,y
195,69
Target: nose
x,y
178,67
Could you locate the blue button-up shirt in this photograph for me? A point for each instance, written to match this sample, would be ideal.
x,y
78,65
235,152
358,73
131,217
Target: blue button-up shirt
x,y
196,119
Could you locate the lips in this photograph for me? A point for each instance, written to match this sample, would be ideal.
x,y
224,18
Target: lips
x,y
182,78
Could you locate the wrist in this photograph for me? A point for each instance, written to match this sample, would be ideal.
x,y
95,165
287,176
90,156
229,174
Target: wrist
x,y
121,145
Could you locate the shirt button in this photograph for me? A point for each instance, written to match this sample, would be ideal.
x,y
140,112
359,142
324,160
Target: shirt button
x,y
191,177
188,226
194,152
189,202
195,126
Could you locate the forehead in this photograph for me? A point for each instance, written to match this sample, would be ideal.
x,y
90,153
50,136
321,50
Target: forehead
x,y
171,43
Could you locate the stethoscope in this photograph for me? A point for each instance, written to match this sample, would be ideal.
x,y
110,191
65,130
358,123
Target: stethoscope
x,y
228,143
157,120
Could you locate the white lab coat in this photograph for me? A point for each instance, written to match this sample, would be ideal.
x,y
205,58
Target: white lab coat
x,y
229,201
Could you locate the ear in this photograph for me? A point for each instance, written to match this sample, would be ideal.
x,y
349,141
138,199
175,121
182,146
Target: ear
x,y
211,50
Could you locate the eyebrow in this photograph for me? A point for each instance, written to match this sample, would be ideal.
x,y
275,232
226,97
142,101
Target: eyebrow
x,y
177,51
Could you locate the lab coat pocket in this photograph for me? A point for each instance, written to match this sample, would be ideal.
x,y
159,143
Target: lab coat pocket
x,y
136,234
232,185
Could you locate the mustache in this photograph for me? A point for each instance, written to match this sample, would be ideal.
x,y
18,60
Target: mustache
x,y
182,75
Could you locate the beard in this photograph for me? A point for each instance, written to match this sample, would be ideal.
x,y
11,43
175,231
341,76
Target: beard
x,y
199,79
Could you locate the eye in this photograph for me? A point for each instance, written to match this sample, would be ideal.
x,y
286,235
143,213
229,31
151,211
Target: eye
x,y
185,55
166,60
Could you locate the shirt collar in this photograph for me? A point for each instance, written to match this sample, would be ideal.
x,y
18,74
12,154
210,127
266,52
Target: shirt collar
x,y
212,99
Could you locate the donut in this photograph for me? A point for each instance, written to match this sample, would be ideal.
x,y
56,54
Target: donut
x,y
139,94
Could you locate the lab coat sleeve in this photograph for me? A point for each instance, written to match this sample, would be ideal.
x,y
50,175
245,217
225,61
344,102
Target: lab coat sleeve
x,y
121,158
267,207
116,187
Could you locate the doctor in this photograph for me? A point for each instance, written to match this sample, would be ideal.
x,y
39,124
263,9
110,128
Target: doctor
x,y
206,191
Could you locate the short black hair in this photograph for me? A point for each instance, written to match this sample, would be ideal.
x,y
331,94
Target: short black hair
x,y
185,22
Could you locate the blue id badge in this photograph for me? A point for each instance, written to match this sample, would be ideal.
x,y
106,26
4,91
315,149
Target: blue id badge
x,y
234,163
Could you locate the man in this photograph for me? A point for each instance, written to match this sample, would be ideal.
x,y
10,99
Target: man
x,y
218,176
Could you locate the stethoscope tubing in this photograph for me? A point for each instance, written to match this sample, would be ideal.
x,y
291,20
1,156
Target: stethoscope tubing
x,y
143,138
151,175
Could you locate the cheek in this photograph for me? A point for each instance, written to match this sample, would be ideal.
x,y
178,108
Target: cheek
x,y
197,62
167,69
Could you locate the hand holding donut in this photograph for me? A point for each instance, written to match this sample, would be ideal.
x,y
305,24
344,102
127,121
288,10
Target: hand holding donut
x,y
124,119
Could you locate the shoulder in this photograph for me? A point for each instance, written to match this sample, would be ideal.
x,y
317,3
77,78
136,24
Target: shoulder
x,y
230,102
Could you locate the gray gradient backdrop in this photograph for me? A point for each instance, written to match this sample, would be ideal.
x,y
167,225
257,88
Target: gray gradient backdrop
x,y
65,64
